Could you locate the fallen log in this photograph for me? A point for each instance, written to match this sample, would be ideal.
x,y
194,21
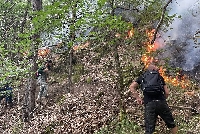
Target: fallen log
x,y
196,110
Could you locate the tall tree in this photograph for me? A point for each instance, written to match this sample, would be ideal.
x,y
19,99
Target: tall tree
x,y
37,6
121,18
74,19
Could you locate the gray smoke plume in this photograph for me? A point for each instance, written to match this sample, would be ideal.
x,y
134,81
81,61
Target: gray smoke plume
x,y
183,30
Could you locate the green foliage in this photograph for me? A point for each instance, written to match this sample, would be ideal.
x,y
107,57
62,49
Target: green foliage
x,y
125,126
78,71
75,78
128,74
89,80
18,127
60,100
12,16
49,129
18,29
149,14
54,14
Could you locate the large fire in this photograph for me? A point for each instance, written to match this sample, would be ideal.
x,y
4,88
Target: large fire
x,y
176,80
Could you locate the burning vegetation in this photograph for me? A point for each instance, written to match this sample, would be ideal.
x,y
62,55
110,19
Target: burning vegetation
x,y
178,79
43,52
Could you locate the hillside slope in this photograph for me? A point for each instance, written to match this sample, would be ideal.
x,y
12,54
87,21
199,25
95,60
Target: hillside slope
x,y
89,108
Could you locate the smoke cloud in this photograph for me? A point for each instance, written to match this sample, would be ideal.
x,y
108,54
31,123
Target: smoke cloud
x,y
183,30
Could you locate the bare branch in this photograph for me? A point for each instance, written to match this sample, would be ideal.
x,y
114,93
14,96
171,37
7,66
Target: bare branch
x,y
188,108
129,9
196,34
160,22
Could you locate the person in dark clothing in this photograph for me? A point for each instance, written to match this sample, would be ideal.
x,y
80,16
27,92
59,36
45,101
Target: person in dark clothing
x,y
43,73
154,104
6,92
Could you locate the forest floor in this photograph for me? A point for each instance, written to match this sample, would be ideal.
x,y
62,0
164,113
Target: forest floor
x,y
91,107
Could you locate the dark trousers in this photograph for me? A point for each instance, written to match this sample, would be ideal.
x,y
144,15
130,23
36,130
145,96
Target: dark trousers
x,y
152,110
8,98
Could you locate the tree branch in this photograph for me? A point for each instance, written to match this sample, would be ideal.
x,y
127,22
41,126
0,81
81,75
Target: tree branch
x,y
129,9
25,17
160,22
195,35
189,108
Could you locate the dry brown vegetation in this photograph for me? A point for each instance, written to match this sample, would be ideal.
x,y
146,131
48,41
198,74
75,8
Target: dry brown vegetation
x,y
94,105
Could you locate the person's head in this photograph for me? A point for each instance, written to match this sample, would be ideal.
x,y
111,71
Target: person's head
x,y
152,66
49,64
155,61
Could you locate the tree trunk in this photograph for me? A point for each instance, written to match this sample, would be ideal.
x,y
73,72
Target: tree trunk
x,y
120,85
118,68
25,109
37,5
70,71
33,85
72,37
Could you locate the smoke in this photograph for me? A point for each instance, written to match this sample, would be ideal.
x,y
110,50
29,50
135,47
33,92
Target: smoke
x,y
183,29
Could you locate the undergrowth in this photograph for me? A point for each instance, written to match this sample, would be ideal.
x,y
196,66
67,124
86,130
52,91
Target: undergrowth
x,y
125,126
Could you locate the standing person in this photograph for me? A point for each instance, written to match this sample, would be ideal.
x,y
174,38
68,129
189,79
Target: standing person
x,y
43,73
155,96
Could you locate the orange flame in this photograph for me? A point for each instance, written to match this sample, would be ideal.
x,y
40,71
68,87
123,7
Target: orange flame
x,y
178,80
146,59
130,33
81,46
43,52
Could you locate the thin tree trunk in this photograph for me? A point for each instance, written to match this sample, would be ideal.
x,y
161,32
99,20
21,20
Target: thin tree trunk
x,y
25,109
160,22
72,37
33,85
70,70
118,68
120,85
37,5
